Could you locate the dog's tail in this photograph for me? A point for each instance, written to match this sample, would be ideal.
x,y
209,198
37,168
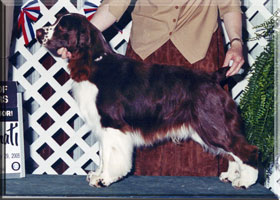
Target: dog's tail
x,y
220,75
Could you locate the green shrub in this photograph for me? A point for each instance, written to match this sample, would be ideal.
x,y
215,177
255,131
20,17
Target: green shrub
x,y
257,101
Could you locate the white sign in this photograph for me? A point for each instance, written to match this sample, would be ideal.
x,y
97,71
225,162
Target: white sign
x,y
11,137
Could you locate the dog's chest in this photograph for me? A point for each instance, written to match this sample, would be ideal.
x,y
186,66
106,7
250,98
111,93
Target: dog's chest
x,y
85,94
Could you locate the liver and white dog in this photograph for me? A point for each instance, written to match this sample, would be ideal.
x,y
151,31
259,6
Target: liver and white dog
x,y
128,103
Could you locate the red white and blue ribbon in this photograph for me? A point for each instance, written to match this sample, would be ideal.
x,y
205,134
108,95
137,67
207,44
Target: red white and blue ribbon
x,y
90,9
29,13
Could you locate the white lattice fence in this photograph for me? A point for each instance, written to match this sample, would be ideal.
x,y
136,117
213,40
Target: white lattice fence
x,y
51,113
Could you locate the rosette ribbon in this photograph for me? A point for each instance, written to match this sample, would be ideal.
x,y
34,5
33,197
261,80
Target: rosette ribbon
x,y
90,9
29,13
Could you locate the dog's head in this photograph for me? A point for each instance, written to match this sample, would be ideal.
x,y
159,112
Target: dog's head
x,y
74,32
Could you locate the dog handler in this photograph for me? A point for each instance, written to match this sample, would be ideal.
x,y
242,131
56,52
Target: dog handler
x,y
178,32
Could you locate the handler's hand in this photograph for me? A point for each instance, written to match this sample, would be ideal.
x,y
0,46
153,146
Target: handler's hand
x,y
64,53
234,54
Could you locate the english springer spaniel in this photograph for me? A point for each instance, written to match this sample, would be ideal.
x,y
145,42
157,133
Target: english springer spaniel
x,y
127,103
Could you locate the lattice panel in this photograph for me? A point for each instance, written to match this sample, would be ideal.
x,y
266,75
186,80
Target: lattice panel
x,y
256,12
58,140
56,137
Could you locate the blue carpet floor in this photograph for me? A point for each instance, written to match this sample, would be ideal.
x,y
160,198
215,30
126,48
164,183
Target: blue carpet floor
x,y
131,187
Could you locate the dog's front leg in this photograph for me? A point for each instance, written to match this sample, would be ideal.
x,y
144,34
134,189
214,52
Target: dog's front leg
x,y
115,158
96,173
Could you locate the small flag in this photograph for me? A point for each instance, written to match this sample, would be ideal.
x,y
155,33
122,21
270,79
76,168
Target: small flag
x,y
29,13
90,9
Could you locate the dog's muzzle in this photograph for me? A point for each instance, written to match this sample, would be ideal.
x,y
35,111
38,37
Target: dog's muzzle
x,y
44,34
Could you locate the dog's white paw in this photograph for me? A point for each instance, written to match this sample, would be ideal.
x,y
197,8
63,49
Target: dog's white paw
x,y
248,177
229,177
232,173
241,183
92,174
96,180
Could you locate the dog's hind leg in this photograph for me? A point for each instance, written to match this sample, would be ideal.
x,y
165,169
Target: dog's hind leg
x,y
219,127
248,175
243,171
116,158
232,173
243,157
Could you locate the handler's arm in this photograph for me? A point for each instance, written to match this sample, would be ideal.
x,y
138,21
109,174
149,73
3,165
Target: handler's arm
x,y
109,12
233,25
103,18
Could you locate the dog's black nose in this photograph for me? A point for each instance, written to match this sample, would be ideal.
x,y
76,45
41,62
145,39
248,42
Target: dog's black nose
x,y
40,33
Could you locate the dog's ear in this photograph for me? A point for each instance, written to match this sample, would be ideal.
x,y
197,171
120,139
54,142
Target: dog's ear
x,y
78,31
89,39
83,38
98,43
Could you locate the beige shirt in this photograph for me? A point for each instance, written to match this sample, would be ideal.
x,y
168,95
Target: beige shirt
x,y
189,24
